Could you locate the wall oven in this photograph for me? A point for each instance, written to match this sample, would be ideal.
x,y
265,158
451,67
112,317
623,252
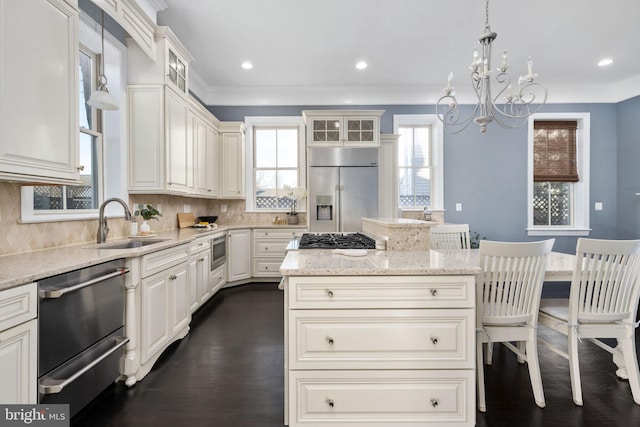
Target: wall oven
x,y
80,333
218,251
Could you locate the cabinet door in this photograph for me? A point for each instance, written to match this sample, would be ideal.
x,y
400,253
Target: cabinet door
x,y
239,255
39,91
232,148
194,302
179,160
18,364
205,158
204,276
155,328
146,138
179,288
325,131
361,131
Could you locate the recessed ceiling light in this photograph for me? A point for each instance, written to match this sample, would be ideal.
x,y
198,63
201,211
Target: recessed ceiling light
x,y
247,65
604,62
361,65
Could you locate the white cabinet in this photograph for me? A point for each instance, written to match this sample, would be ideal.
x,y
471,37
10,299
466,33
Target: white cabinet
x,y
232,160
205,149
342,340
218,279
173,147
18,345
269,249
39,91
164,302
199,273
343,128
239,255
171,64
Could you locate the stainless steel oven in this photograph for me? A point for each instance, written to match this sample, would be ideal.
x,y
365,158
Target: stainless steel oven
x,y
218,251
80,333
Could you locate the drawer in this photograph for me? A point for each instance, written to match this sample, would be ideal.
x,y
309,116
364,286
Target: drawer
x,y
381,339
17,305
161,260
268,267
286,233
381,292
382,398
270,247
200,245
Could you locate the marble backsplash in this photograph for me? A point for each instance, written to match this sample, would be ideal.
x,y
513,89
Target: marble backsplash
x,y
18,237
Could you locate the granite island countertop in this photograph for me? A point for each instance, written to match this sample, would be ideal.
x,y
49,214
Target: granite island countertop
x,y
324,262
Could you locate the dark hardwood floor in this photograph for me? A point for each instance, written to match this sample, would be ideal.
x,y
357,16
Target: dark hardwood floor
x,y
228,372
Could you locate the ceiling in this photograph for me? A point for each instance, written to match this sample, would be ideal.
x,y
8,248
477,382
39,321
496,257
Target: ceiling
x,y
304,51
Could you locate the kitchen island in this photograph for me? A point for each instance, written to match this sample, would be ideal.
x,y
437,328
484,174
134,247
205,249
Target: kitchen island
x,y
383,339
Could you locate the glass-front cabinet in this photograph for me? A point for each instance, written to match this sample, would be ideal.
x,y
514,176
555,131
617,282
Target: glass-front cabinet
x,y
343,128
177,71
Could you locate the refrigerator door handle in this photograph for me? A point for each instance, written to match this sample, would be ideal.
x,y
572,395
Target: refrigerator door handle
x,y
339,189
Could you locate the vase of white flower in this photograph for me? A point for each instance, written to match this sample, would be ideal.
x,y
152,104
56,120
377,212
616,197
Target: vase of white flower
x,y
293,195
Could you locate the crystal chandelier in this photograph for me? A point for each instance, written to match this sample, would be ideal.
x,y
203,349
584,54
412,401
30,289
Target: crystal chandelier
x,y
518,103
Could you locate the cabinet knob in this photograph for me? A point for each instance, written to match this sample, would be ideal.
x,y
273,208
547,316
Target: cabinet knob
x,y
434,340
169,183
173,277
201,259
266,248
434,292
330,293
330,341
209,190
434,402
330,403
80,168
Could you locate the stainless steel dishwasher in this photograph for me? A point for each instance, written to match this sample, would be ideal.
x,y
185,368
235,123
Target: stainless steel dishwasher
x,y
80,333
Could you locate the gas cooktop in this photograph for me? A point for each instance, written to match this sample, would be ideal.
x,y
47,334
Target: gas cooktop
x,y
336,241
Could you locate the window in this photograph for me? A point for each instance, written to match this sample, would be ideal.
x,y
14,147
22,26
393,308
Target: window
x,y
558,174
276,153
102,142
419,161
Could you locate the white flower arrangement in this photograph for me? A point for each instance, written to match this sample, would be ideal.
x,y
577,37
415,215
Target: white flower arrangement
x,y
295,194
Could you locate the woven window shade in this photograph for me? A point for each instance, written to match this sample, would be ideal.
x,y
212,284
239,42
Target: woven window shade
x,y
554,151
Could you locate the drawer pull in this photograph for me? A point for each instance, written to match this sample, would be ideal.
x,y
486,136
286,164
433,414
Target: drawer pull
x,y
330,293
201,259
434,402
434,292
330,341
173,277
330,403
434,340
266,248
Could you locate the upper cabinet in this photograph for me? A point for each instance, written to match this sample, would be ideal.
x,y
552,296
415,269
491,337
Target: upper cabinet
x,y
343,128
232,160
39,91
171,65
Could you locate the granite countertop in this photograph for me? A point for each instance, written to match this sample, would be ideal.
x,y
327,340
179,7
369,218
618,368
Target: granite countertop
x,y
23,268
399,222
323,262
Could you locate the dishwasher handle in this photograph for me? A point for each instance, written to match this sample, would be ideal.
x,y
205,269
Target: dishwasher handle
x,y
54,385
57,293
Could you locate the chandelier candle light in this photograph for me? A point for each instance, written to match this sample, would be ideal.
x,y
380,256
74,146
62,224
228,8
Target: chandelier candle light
x,y
518,103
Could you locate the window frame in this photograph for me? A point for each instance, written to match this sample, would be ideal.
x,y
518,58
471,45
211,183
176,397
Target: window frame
x,y
437,155
579,190
272,122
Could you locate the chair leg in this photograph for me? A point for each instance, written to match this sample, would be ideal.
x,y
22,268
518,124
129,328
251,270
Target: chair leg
x,y
488,353
574,366
629,351
482,404
522,346
534,370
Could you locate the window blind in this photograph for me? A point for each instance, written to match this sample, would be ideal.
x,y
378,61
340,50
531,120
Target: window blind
x,y
554,151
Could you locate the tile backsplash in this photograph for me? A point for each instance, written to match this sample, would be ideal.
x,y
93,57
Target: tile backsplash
x,y
18,237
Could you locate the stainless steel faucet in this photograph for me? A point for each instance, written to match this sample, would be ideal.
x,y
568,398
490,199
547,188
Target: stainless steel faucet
x,y
103,229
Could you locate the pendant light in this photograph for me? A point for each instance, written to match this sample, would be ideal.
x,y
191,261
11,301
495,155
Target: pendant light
x,y
101,98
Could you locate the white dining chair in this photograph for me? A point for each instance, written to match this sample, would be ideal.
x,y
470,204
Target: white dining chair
x,y
602,303
450,236
507,298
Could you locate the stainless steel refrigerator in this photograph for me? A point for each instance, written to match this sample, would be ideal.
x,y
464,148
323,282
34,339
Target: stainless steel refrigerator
x,y
343,188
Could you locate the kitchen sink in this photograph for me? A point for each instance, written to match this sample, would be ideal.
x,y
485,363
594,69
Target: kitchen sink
x,y
131,244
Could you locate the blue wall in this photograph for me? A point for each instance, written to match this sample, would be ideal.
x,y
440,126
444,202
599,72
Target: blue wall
x,y
487,173
628,115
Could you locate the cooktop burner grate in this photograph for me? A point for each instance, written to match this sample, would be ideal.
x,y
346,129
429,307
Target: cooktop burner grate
x,y
336,241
